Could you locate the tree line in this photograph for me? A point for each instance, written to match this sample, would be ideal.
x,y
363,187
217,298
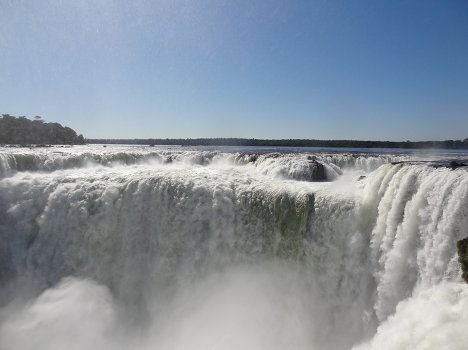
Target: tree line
x,y
448,144
24,131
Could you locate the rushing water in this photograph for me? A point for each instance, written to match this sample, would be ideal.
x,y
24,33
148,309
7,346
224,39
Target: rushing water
x,y
123,247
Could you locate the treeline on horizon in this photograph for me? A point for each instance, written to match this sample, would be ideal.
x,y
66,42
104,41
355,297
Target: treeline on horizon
x,y
24,131
448,144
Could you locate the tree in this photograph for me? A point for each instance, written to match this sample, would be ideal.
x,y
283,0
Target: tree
x,y
22,130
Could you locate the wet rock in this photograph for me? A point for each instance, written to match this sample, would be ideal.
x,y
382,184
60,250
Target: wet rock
x,y
454,164
252,158
245,158
311,171
362,177
318,171
462,248
273,155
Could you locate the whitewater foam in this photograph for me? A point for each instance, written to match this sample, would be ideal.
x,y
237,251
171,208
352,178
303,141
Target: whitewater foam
x,y
226,250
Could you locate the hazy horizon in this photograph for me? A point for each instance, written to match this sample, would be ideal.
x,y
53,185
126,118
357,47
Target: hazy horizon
x,y
363,70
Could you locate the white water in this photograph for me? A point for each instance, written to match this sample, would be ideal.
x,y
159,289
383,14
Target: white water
x,y
165,248
13,160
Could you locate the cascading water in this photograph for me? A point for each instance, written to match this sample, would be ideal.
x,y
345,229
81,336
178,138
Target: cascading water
x,y
163,248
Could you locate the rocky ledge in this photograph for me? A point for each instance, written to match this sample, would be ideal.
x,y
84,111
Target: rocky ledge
x,y
462,248
451,164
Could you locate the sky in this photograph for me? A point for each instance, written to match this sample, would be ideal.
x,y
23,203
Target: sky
x,y
315,69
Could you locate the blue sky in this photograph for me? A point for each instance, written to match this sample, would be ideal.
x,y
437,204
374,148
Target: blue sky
x,y
321,69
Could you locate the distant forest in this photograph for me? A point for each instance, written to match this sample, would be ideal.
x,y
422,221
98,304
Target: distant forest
x,y
23,131
448,144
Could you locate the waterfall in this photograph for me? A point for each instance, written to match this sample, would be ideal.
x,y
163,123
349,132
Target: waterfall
x,y
193,249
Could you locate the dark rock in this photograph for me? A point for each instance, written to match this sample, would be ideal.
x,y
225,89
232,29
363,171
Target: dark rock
x,y
273,155
362,177
318,171
311,171
454,164
245,158
252,158
314,172
462,248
